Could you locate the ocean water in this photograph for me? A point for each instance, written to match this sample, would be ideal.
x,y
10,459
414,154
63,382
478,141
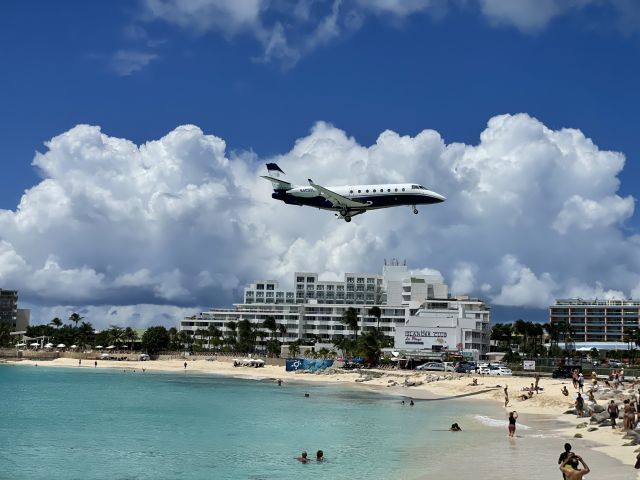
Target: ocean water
x,y
108,424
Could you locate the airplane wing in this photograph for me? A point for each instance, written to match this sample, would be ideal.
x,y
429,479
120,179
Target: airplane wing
x,y
338,200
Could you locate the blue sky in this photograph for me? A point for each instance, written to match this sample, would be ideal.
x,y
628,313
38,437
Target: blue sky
x,y
140,69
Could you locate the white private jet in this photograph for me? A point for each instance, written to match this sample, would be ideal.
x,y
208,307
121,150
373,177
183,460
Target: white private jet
x,y
349,201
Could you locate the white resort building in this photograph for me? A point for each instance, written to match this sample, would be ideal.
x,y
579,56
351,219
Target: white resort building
x,y
417,310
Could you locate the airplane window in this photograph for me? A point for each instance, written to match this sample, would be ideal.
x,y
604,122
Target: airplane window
x,y
396,189
350,191
367,191
388,189
359,191
374,190
403,189
415,187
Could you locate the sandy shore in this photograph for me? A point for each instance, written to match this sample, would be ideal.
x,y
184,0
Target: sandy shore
x,y
550,402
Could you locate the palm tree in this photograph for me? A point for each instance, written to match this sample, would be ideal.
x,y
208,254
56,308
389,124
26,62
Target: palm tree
x,y
233,327
213,332
56,322
116,335
130,336
350,319
282,330
85,332
376,312
554,333
270,324
520,329
294,348
75,318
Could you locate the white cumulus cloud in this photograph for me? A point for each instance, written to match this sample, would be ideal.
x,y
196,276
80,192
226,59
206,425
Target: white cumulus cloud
x,y
178,222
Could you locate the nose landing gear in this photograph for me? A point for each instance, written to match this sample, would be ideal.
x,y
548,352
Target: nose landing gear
x,y
415,210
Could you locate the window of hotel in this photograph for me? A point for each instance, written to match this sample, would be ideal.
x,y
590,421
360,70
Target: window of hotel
x,y
260,286
300,279
270,286
310,279
360,280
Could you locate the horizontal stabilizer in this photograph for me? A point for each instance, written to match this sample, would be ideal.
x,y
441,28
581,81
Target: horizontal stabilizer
x,y
278,184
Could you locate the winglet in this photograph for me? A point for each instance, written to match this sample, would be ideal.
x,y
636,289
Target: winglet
x,y
310,181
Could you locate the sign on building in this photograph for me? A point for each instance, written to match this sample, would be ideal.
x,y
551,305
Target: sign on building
x,y
419,338
529,365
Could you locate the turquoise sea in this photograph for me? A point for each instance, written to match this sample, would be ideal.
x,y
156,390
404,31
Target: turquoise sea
x,y
88,424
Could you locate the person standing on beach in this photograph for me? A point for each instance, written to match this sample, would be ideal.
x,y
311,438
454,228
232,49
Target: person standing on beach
x,y
563,456
79,362
95,364
506,396
579,405
185,364
570,468
613,413
537,377
512,423
580,382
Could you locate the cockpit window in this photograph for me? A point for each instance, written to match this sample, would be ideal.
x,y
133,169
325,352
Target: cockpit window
x,y
415,187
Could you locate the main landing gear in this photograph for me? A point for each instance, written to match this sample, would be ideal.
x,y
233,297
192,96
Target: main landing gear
x,y
345,215
415,210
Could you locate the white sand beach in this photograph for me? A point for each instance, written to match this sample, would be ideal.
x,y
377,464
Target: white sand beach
x,y
550,402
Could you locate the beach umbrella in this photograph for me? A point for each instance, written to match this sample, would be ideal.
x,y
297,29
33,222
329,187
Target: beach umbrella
x,y
34,344
73,346
124,346
98,347
22,345
49,345
61,345
110,347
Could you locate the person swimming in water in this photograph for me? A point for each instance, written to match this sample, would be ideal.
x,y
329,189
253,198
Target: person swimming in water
x,y
303,457
455,428
319,456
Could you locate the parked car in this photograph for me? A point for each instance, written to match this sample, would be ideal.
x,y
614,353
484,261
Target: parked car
x,y
143,357
566,371
438,366
448,366
615,363
499,370
465,368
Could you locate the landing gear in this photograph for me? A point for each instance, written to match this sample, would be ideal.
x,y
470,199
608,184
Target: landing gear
x,y
347,218
415,210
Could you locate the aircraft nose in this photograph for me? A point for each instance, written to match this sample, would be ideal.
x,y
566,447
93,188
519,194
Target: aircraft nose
x,y
437,196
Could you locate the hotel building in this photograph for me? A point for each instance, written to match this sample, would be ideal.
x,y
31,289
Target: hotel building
x,y
313,309
597,320
16,318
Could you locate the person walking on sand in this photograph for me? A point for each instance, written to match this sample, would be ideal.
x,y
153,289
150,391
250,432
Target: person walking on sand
x,y
79,362
512,423
570,468
581,382
613,413
506,396
564,455
537,377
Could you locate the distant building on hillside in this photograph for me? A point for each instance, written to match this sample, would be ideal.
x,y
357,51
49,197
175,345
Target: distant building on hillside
x,y
596,320
314,308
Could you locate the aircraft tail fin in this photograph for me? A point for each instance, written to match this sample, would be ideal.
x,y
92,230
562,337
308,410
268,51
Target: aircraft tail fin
x,y
276,177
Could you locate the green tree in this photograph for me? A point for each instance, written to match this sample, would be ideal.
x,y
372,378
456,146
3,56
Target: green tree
x,y
75,318
84,334
350,319
214,333
5,337
115,335
56,322
294,348
369,346
155,339
246,336
130,336
377,313
232,339
271,325
282,330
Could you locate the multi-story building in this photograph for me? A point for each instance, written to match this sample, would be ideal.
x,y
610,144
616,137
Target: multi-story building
x,y
597,320
9,307
314,308
16,318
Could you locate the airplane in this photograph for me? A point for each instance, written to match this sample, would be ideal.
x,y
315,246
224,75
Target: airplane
x,y
349,201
